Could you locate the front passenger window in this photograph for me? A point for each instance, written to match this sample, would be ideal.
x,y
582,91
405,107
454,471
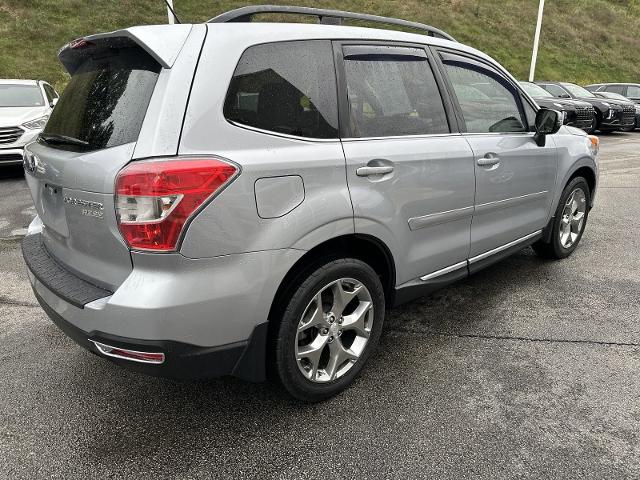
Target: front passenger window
x,y
619,89
487,102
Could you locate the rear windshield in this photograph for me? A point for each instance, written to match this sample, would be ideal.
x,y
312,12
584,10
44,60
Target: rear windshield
x,y
12,95
106,100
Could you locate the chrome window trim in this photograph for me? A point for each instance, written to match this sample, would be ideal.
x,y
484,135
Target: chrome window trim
x,y
349,139
502,134
484,255
401,137
282,135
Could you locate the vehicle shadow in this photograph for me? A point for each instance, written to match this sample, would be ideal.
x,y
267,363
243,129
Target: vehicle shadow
x,y
11,172
233,411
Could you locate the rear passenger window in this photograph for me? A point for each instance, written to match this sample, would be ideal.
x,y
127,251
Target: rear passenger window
x,y
489,104
392,93
286,87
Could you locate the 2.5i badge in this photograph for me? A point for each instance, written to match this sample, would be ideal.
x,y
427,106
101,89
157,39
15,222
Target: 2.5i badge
x,y
88,208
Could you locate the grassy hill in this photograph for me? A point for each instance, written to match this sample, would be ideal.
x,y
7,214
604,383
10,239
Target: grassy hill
x,y
582,40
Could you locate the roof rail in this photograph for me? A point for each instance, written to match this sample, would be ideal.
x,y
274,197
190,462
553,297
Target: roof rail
x,y
331,17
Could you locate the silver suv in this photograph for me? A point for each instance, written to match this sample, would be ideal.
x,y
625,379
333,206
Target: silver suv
x,y
248,199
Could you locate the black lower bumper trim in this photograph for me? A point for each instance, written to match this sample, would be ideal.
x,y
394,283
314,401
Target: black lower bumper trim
x,y
55,277
182,361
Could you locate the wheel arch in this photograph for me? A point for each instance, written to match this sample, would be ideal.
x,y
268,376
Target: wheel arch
x,y
588,174
367,248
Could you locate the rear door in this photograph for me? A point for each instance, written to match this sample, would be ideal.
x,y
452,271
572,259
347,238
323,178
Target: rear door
x,y
410,174
514,176
90,136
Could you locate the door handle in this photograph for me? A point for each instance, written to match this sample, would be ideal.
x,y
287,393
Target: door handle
x,y
489,160
367,171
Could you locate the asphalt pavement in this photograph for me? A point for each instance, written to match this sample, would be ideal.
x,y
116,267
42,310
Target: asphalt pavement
x,y
528,369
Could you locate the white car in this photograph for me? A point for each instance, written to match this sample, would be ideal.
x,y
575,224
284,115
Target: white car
x,y
25,106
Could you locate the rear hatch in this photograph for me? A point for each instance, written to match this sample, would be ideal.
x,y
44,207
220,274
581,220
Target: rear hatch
x,y
90,136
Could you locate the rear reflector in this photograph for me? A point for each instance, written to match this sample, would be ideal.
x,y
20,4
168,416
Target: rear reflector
x,y
133,355
156,198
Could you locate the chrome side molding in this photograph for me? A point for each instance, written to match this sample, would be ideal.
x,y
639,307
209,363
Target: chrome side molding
x,y
484,255
444,271
415,223
489,207
477,258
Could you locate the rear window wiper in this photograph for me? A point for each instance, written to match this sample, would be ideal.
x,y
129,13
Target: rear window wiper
x,y
58,139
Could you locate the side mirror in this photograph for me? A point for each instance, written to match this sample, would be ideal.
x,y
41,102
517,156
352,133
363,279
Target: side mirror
x,y
548,122
565,95
53,102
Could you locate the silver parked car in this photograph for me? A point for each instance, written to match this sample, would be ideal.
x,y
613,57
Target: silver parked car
x,y
249,198
25,106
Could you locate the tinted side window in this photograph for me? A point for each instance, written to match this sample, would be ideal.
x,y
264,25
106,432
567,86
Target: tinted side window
x,y
530,113
286,87
49,89
48,92
555,90
633,91
393,95
488,102
615,89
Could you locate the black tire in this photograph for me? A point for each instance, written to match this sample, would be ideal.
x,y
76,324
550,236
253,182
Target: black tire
x,y
286,366
554,248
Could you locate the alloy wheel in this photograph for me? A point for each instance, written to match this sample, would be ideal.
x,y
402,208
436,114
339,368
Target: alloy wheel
x,y
334,330
572,220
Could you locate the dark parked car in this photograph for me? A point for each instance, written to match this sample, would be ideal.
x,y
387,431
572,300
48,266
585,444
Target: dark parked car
x,y
610,114
617,96
628,90
576,113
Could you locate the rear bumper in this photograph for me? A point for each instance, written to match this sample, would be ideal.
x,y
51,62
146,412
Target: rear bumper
x,y
182,361
208,317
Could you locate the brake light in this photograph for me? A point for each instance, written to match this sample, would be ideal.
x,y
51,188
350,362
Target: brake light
x,y
156,198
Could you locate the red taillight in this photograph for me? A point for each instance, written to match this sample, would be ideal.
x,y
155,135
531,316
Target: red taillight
x,y
155,198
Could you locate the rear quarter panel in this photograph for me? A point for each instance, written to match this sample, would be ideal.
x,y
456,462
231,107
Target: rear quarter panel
x,y
231,223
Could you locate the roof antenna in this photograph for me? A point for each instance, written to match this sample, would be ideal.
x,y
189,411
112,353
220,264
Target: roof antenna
x,y
170,8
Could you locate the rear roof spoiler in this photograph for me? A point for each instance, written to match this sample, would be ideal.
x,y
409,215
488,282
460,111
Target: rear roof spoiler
x,y
162,42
